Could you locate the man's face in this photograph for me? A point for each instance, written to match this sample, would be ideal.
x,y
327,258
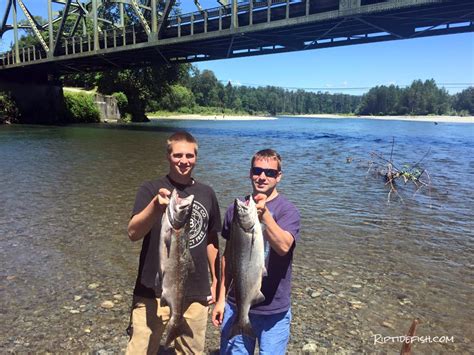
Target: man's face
x,y
182,158
260,181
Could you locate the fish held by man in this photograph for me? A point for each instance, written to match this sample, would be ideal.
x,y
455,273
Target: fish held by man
x,y
176,263
247,263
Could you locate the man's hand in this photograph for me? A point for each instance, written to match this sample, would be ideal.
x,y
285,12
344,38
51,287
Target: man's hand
x,y
261,200
218,314
162,199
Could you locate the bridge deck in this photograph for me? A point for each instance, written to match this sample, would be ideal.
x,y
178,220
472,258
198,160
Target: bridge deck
x,y
263,27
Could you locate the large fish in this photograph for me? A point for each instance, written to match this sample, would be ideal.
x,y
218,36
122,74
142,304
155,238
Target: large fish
x,y
175,263
247,263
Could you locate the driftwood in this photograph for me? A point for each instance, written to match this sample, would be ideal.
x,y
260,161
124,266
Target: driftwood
x,y
406,347
414,174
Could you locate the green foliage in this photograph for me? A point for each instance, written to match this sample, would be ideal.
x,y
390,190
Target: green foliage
x,y
80,108
87,81
207,89
140,85
177,97
122,101
420,98
8,109
464,101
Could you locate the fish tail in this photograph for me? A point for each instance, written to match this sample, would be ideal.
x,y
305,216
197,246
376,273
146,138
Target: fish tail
x,y
244,328
176,328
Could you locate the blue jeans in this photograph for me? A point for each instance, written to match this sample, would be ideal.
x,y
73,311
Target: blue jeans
x,y
272,331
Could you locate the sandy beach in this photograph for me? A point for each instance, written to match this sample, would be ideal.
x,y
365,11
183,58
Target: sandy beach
x,y
445,119
211,117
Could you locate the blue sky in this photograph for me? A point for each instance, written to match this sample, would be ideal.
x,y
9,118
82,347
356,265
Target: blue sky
x,y
447,59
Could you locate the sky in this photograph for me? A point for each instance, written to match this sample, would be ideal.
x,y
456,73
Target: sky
x,y
448,59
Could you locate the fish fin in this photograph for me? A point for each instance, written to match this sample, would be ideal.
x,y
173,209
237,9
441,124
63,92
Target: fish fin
x,y
259,298
244,329
176,328
264,271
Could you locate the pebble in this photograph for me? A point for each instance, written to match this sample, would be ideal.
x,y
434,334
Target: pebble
x,y
87,330
107,304
356,304
93,286
77,298
328,277
388,325
11,277
315,294
74,311
310,348
118,297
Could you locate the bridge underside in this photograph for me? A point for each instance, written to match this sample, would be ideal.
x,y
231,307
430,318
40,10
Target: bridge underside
x,y
286,28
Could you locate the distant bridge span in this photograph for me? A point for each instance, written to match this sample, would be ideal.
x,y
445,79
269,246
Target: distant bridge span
x,y
235,29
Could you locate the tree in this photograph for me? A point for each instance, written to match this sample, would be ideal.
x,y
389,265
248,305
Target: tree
x,y
205,87
177,97
140,85
464,101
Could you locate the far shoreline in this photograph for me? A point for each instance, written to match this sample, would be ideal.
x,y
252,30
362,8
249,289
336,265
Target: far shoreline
x,y
431,118
220,117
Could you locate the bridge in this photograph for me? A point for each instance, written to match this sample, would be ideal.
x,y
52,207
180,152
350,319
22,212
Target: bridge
x,y
94,35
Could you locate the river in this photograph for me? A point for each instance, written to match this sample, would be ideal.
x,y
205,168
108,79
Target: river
x,y
364,267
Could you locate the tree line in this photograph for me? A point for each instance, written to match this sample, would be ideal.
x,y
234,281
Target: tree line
x,y
184,88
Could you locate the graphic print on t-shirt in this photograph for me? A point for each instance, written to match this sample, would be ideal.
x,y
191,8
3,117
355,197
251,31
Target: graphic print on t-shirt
x,y
199,221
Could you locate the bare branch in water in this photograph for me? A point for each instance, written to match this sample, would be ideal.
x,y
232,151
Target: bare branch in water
x,y
408,173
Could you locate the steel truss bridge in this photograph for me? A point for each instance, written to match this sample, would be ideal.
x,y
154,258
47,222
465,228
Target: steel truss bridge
x,y
84,38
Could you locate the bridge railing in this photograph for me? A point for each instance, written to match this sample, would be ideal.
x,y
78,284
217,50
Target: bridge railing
x,y
248,12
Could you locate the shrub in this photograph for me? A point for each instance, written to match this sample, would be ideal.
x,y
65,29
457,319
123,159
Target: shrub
x,y
80,108
122,101
8,109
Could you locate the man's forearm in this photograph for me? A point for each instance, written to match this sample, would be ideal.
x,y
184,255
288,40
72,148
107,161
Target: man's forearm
x,y
280,240
142,222
213,260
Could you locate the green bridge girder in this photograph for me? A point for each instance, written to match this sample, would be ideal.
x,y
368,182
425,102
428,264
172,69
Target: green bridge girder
x,y
94,35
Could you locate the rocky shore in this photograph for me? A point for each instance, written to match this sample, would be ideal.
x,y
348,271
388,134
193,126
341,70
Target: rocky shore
x,y
331,314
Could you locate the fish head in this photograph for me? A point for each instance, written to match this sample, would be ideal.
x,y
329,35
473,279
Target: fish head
x,y
245,213
179,209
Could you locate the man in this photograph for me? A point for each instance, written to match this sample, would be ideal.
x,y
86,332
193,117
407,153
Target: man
x,y
271,318
149,318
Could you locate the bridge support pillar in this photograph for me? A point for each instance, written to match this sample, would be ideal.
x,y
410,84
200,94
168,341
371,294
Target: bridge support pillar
x,y
39,99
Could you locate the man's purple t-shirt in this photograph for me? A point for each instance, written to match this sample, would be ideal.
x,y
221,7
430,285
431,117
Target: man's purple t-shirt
x,y
276,286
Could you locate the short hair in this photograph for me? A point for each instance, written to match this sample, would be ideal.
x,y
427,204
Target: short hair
x,y
267,154
181,136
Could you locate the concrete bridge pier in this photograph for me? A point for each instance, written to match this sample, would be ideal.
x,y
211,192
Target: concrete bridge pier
x,y
39,97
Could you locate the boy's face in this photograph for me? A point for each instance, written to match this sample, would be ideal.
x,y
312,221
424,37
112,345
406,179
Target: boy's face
x,y
261,182
182,158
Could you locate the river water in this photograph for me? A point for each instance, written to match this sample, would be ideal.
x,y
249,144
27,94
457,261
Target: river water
x,y
365,268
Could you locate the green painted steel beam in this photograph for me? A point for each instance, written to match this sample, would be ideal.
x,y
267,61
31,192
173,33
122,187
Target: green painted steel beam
x,y
33,25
